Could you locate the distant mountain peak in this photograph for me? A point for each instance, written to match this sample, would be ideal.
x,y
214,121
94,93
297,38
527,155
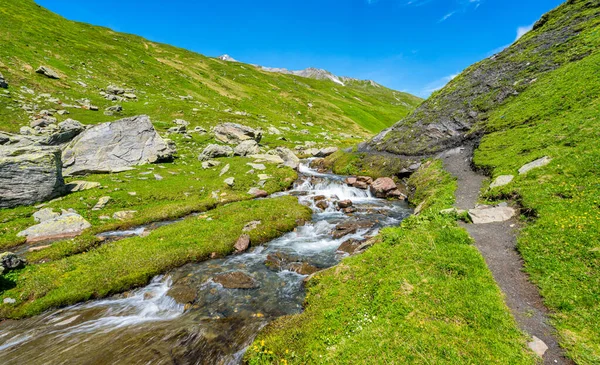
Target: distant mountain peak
x,y
227,58
311,73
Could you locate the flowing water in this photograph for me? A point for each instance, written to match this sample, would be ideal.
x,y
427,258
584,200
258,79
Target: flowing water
x,y
185,317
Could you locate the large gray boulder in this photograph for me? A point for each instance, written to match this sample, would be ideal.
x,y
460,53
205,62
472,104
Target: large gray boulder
x,y
29,174
215,151
115,146
233,133
249,147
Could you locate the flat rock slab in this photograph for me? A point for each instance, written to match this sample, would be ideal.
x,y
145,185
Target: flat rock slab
x,y
501,181
538,346
535,164
491,214
65,226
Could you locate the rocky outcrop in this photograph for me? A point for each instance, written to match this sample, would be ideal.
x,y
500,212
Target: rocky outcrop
x,y
115,146
288,157
29,175
233,133
48,72
68,224
215,151
456,113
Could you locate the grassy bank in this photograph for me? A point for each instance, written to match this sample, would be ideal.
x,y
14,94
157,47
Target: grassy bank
x,y
356,163
422,295
184,187
121,265
557,117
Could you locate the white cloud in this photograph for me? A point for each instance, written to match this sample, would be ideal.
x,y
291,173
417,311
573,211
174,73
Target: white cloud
x,y
437,84
522,30
445,17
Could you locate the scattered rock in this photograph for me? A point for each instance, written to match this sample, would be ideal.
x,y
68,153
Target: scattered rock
x,y
224,170
322,204
183,293
267,158
251,225
115,90
9,301
210,164
288,157
350,246
324,152
229,181
29,175
382,186
68,224
501,181
280,261
158,177
183,123
242,243
419,208
78,185
215,151
236,280
180,129
3,83
130,96
124,215
273,130
101,203
115,147
365,179
233,133
538,346
11,261
344,204
257,166
258,193
535,164
44,215
484,215
48,72
249,147
347,228
350,181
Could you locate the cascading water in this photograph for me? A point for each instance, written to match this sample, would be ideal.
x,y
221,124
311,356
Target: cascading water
x,y
155,325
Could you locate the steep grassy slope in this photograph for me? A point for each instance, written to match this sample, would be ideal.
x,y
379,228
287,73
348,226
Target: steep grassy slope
x,y
423,295
559,117
540,97
98,57
460,110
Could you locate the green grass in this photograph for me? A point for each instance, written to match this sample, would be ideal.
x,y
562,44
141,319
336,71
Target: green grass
x,y
185,188
32,36
373,165
121,265
558,117
422,295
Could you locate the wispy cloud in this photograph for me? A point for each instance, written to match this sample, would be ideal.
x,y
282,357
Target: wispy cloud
x,y
437,84
445,17
521,31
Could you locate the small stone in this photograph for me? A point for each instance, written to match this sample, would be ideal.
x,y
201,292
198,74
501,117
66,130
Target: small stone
x,y
101,203
251,225
257,166
538,346
501,181
224,170
124,215
75,186
229,181
258,193
344,204
242,243
9,301
158,177
48,72
236,280
535,164
486,215
209,164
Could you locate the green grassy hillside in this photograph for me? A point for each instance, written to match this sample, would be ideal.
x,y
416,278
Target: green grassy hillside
x,y
160,74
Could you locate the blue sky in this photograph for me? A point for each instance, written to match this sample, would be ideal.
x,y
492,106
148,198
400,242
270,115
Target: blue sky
x,y
408,45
